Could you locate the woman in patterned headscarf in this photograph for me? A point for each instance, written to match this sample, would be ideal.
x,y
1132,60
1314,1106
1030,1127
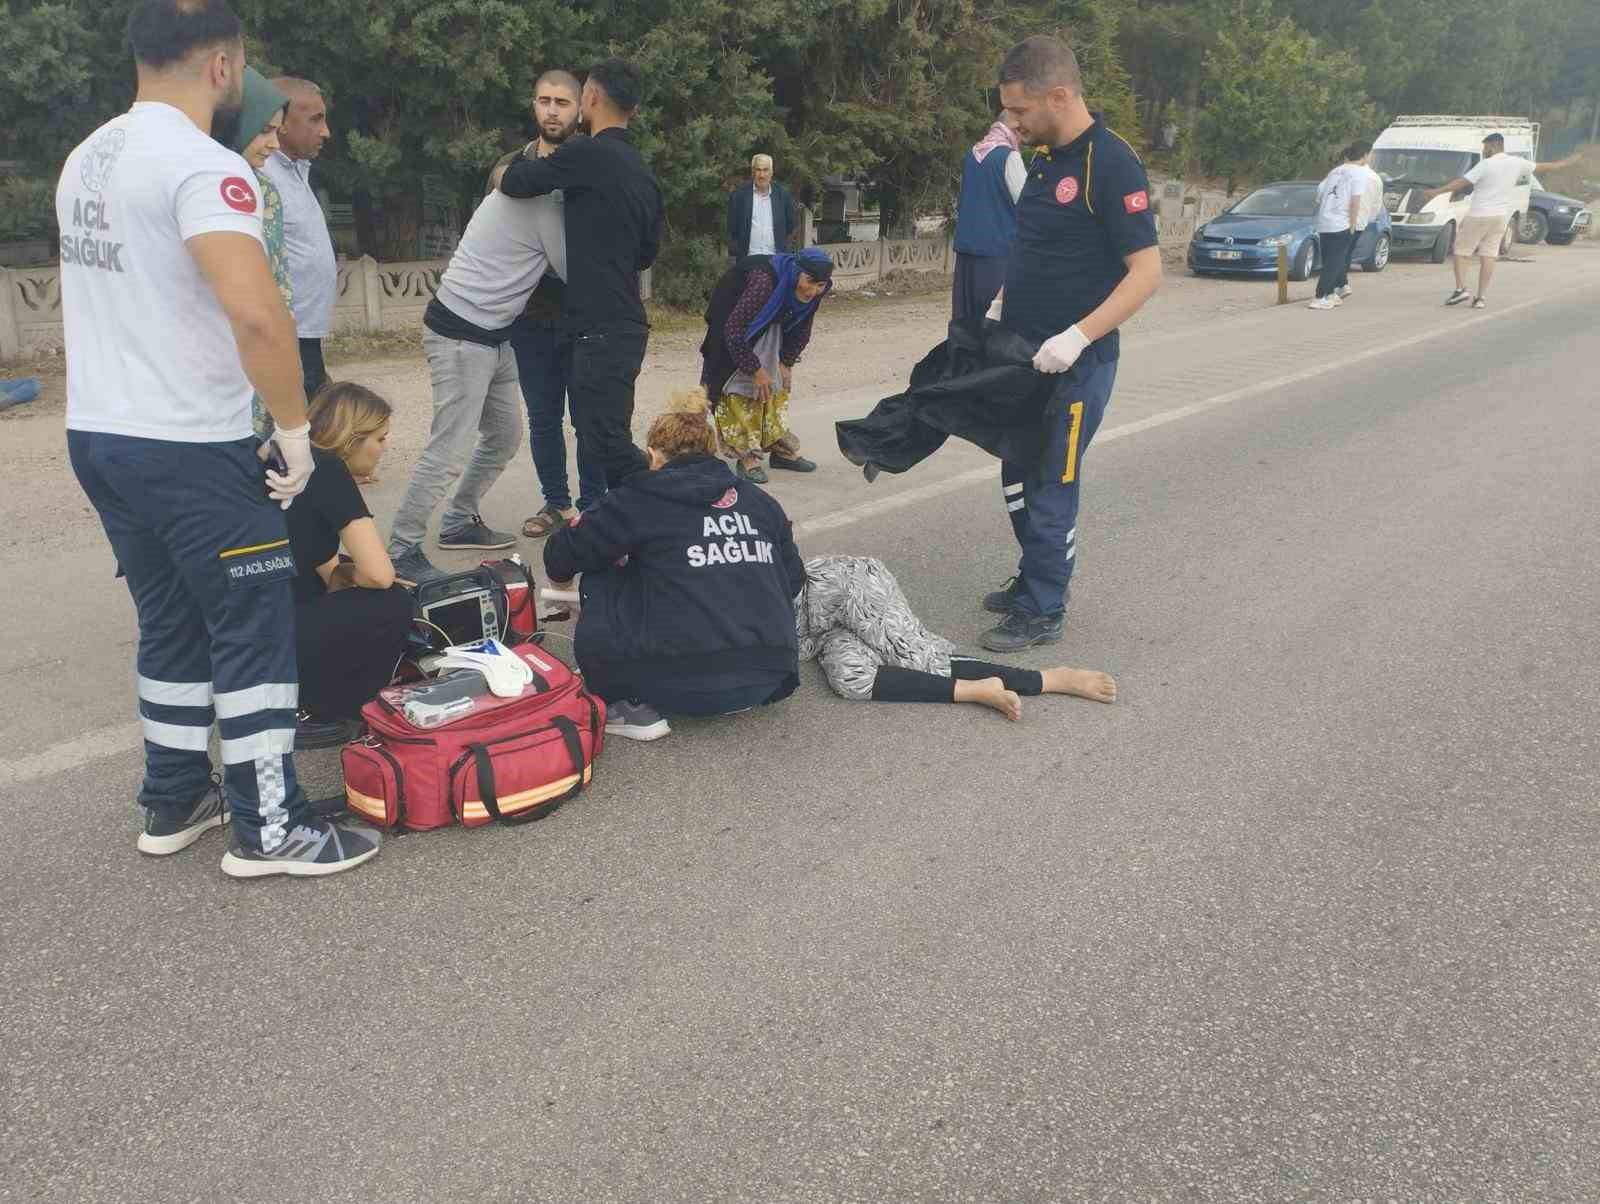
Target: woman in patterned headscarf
x,y
757,324
254,134
852,618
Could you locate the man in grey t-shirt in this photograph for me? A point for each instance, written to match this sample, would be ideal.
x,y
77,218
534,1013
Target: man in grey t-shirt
x,y
507,248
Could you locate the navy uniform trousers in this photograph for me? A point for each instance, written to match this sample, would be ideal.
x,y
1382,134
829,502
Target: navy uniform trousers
x,y
1042,498
206,555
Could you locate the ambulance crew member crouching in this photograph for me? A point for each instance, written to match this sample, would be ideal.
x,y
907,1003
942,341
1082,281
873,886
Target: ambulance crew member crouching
x,y
1084,260
165,291
350,615
689,583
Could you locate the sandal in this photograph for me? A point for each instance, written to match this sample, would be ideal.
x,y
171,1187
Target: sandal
x,y
754,473
541,524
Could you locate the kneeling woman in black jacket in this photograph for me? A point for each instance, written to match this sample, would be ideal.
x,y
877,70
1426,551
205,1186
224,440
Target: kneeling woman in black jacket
x,y
351,617
689,583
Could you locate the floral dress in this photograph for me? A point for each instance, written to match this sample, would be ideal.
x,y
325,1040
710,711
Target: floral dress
x,y
278,257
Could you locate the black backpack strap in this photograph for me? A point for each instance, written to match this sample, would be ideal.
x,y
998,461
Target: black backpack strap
x,y
486,788
569,737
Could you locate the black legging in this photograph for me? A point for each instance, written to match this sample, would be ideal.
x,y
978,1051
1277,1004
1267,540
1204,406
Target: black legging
x,y
346,647
894,684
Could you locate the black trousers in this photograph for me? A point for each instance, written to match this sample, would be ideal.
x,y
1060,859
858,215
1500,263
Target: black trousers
x,y
316,373
978,279
894,684
346,647
602,365
1335,262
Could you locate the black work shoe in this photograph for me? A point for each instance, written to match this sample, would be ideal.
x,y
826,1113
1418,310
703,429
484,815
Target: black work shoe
x,y
792,463
1019,630
311,732
312,849
166,834
477,535
1003,600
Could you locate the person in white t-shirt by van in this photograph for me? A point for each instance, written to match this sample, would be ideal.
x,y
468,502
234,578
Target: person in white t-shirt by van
x,y
172,324
1338,221
1369,184
1493,182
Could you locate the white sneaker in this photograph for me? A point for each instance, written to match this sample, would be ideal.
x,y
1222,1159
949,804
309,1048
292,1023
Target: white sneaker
x,y
1328,302
633,720
1343,291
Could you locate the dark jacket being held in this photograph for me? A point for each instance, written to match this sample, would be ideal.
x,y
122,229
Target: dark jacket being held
x,y
979,385
708,587
741,201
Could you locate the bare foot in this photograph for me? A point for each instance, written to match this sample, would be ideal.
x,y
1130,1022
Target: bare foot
x,y
1083,683
992,693
369,479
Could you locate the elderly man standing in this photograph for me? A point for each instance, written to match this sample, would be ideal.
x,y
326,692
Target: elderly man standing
x,y
313,271
761,214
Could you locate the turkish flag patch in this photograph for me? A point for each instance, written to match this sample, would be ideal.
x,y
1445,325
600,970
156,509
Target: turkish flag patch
x,y
1136,202
728,500
237,194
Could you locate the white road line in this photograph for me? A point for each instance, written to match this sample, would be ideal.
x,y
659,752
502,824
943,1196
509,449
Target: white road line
x,y
127,737
57,758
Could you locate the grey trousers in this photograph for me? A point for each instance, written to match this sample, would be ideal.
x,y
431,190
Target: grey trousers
x,y
475,393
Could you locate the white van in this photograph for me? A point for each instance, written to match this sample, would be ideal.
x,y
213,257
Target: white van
x,y
1417,154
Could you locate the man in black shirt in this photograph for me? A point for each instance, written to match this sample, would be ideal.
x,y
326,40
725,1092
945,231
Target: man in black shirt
x,y
614,215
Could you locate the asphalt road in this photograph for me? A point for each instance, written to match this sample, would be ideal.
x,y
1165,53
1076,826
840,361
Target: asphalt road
x,y
1310,913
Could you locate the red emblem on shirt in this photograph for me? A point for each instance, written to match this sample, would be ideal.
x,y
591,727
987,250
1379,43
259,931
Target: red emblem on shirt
x,y
237,194
728,500
1067,190
1136,202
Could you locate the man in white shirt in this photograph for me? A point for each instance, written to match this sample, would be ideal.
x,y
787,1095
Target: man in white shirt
x,y
172,323
761,214
1494,182
1369,184
1338,218
313,267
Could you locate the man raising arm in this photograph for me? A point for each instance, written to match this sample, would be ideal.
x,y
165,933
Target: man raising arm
x,y
614,215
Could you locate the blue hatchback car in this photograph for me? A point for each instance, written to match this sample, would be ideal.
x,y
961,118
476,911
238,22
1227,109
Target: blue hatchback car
x,y
1245,239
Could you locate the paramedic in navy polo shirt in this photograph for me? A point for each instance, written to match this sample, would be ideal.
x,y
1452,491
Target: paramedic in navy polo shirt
x,y
1084,260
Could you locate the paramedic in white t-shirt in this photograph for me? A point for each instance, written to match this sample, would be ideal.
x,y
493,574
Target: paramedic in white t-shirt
x,y
172,322
1494,182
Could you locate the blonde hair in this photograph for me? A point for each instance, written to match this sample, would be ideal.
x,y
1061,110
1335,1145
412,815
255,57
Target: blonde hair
x,y
344,414
685,429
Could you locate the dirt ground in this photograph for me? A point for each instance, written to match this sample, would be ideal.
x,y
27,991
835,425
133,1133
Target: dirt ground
x,y
861,339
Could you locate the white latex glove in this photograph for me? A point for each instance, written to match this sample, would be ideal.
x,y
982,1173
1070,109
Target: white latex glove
x,y
295,447
1060,351
995,306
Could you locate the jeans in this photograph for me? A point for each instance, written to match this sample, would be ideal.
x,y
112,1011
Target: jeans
x,y
1042,498
601,366
474,394
207,559
544,391
1335,262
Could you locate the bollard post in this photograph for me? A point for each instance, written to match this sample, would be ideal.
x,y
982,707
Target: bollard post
x,y
1283,275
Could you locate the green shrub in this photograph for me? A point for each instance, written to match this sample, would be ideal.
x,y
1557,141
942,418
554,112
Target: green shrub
x,y
27,210
687,270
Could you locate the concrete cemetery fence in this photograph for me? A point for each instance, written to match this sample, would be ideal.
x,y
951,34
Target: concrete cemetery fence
x,y
377,296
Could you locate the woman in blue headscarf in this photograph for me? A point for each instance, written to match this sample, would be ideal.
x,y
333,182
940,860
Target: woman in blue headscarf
x,y
757,324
